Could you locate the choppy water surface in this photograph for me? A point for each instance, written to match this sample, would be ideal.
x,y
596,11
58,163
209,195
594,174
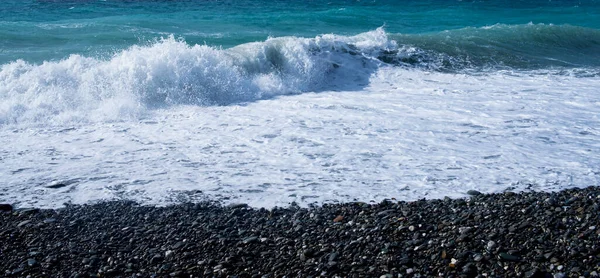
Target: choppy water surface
x,y
305,102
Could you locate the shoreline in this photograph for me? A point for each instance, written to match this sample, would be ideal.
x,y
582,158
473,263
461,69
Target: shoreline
x,y
528,234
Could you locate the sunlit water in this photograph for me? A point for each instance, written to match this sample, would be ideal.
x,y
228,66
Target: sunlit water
x,y
340,112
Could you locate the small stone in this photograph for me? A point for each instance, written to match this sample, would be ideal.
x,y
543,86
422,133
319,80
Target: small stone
x,y
463,238
303,257
31,262
339,218
464,230
411,228
473,192
453,262
94,260
333,257
508,257
469,269
236,205
28,211
308,253
559,275
491,245
532,273
385,212
478,257
51,260
250,239
178,245
404,261
156,259
165,267
6,207
23,223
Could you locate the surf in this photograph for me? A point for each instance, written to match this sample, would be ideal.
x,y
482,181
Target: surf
x,y
170,72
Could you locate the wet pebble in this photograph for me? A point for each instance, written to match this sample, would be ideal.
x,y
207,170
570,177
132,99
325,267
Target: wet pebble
x,y
493,235
473,192
508,257
6,207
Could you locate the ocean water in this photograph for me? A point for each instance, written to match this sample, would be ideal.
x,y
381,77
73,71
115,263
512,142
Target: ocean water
x,y
274,102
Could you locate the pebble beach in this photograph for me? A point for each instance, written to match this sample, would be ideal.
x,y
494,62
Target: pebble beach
x,y
531,234
271,139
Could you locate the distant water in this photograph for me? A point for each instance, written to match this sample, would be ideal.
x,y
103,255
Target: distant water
x,y
272,102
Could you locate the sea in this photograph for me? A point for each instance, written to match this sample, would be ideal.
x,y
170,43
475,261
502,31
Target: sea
x,y
279,103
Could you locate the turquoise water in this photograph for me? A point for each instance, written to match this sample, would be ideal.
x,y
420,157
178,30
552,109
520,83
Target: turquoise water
x,y
525,33
272,102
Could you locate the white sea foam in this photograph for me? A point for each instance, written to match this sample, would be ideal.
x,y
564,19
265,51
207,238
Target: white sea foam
x,y
170,72
306,120
409,134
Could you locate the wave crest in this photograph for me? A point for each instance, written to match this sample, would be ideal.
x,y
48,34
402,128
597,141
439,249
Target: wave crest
x,y
171,72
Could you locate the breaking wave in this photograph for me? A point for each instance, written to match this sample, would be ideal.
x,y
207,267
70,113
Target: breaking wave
x,y
171,72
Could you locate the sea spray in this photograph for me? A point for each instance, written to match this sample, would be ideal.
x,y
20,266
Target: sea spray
x,y
171,72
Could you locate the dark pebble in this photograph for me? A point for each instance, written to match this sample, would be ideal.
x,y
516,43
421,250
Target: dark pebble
x,y
497,235
536,273
508,257
156,259
250,239
31,262
473,192
333,257
28,211
234,206
6,207
23,223
49,220
470,270
178,245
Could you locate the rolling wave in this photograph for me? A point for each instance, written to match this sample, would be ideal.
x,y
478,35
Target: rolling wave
x,y
171,72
